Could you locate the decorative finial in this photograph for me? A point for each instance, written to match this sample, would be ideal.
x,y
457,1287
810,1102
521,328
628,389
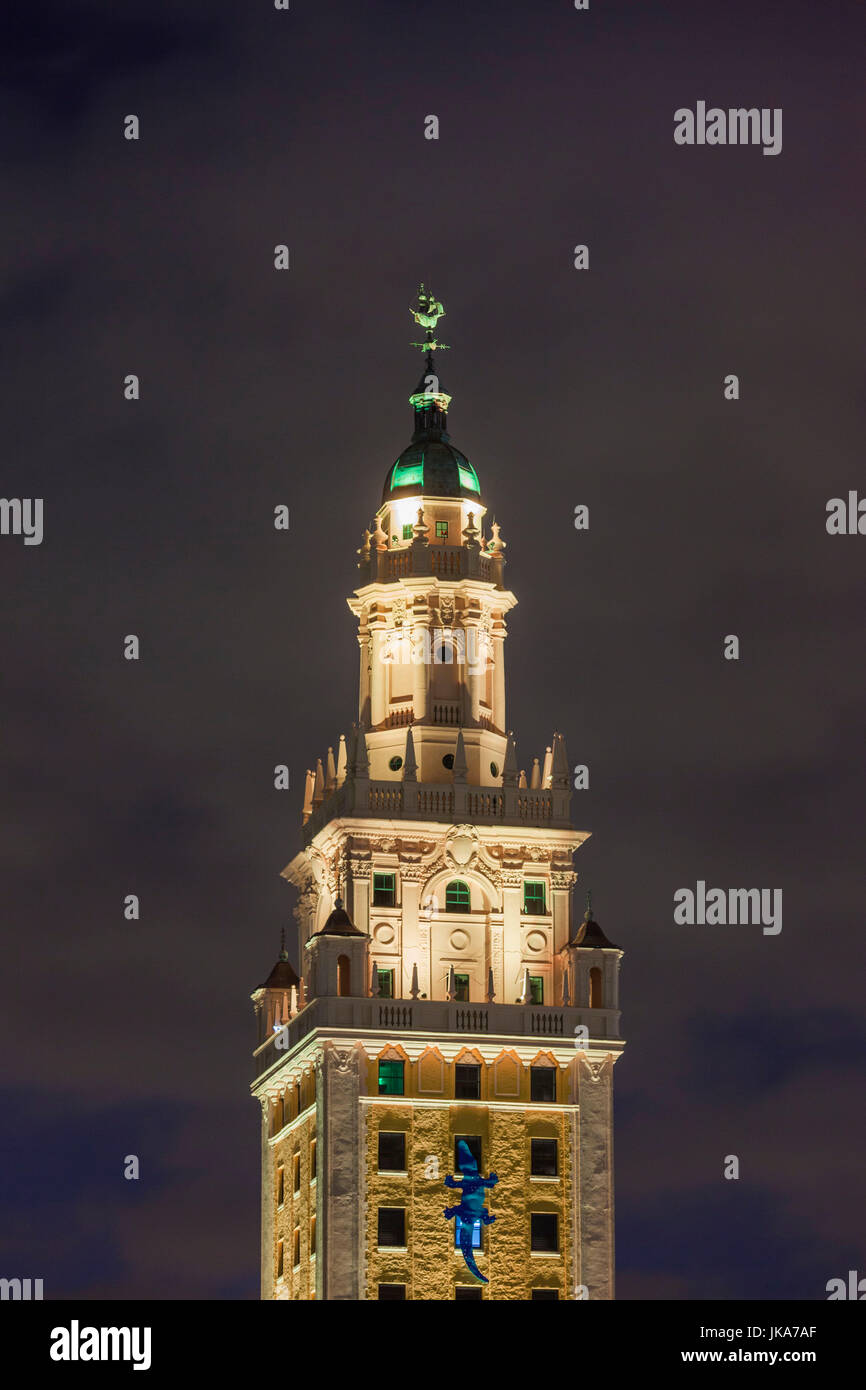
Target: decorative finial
x,y
284,955
588,913
427,311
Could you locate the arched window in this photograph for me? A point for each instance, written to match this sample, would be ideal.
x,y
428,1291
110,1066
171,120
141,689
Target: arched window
x,y
344,976
595,988
457,897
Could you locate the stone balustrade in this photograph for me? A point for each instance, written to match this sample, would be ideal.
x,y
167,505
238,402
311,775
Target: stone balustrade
x,y
434,1018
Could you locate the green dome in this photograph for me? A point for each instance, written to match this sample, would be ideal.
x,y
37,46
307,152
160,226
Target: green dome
x,y
434,467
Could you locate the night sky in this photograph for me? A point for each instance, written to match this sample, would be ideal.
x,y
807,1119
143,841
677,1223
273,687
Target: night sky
x,y
707,517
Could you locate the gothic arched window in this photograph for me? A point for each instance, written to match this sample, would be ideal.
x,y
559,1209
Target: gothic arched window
x,y
457,897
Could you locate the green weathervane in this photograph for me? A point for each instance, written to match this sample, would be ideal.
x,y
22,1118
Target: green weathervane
x,y
427,312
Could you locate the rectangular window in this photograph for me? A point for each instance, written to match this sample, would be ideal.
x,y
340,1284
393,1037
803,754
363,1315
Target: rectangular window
x,y
543,1158
386,983
464,1294
279,1259
312,1235
390,1078
473,1144
407,531
544,1232
312,1160
281,1185
544,1295
392,1291
442,530
384,890
297,1097
542,1084
536,989
534,897
392,1226
392,1152
461,988
296,1172
296,1246
476,1232
467,1082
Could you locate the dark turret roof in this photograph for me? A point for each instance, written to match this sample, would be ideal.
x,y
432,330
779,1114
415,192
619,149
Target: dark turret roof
x,y
282,976
339,923
589,933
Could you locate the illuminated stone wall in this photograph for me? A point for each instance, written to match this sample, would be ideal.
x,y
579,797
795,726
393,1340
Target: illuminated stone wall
x,y
431,1266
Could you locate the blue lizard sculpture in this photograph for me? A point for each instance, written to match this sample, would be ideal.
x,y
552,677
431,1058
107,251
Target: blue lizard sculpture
x,y
471,1207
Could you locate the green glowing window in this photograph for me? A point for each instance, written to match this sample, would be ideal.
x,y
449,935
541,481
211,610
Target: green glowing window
x,y
461,988
384,890
442,529
407,531
390,1078
536,989
533,897
407,474
468,477
457,897
386,984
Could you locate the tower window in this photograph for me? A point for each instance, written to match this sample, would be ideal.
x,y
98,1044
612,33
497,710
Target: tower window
x,y
312,1160
281,1185
442,530
392,1152
396,1291
465,1293
543,1158
386,983
392,1226
390,1078
473,1144
296,1246
544,1295
544,1231
476,1232
296,1172
595,988
344,976
279,1259
536,989
457,896
408,533
395,763
467,1082
534,897
384,890
542,1083
461,988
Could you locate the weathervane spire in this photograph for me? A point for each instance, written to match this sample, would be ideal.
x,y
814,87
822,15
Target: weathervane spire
x,y
427,311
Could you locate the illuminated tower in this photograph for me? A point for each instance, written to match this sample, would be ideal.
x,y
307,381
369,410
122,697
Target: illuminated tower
x,y
447,992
